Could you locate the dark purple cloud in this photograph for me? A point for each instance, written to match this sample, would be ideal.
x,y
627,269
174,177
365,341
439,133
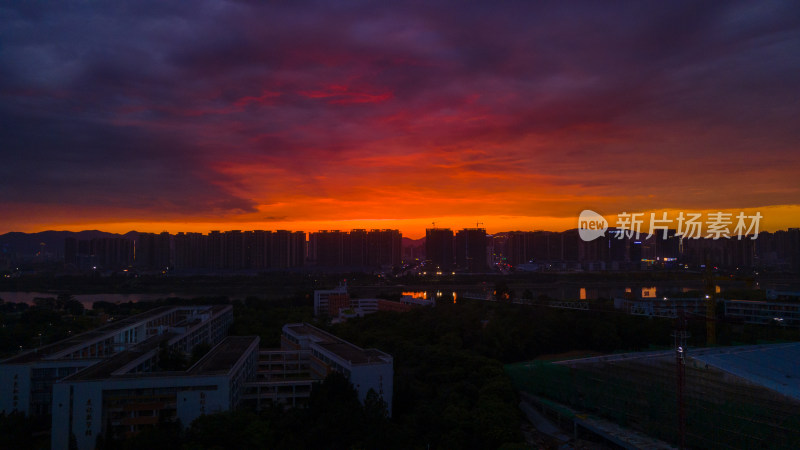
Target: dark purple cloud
x,y
158,106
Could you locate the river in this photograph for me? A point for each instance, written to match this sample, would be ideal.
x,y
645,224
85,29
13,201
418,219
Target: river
x,y
87,299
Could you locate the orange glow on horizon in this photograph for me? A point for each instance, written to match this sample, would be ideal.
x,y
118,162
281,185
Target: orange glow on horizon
x,y
774,218
346,117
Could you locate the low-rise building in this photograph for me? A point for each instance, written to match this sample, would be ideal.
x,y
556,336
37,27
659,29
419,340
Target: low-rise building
x,y
765,313
329,302
26,380
115,399
785,314
112,382
308,355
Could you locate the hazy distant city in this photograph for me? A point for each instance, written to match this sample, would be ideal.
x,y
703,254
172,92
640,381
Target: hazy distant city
x,y
469,250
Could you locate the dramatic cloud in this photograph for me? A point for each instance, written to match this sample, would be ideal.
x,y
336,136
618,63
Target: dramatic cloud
x,y
236,112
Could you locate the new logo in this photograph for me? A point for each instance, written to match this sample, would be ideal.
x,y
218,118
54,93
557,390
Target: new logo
x,y
591,225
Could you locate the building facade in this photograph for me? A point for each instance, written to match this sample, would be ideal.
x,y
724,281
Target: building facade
x,y
117,399
110,383
329,302
367,369
439,248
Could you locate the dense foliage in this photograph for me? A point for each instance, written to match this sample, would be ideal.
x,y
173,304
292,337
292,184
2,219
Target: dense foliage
x,y
23,327
450,390
334,419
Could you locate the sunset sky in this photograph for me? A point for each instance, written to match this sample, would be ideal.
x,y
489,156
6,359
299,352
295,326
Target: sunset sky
x,y
192,116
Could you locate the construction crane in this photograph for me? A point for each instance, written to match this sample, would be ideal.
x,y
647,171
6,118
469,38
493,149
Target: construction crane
x,y
680,335
711,304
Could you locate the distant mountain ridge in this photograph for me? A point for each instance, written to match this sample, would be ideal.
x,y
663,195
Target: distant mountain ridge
x,y
30,243
408,242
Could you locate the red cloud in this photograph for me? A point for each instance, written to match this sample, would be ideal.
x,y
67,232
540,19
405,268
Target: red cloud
x,y
342,95
267,97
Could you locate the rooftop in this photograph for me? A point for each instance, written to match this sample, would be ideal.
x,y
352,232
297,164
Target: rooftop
x,y
353,354
224,356
773,366
104,369
110,328
339,347
219,360
318,335
75,341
